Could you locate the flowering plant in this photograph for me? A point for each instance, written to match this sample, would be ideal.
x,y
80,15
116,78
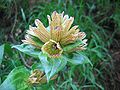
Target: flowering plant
x,y
54,46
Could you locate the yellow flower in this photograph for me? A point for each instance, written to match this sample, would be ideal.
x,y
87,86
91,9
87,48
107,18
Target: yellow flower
x,y
58,34
38,77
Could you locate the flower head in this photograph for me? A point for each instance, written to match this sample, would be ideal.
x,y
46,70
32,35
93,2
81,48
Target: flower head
x,y
38,77
58,35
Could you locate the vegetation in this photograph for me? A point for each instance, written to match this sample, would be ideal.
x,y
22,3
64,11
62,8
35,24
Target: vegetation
x,y
99,19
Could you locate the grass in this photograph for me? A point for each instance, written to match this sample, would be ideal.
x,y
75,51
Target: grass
x,y
92,17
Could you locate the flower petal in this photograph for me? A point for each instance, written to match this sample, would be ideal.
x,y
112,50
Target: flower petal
x,y
28,40
41,35
68,24
41,28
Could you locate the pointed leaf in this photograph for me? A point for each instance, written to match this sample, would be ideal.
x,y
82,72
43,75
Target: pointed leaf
x,y
52,65
79,58
17,80
27,49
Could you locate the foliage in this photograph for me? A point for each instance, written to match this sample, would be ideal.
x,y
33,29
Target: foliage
x,y
91,17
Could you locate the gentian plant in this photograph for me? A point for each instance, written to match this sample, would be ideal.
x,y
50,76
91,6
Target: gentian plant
x,y
53,46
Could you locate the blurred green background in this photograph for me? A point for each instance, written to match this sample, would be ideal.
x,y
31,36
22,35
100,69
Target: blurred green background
x,y
99,19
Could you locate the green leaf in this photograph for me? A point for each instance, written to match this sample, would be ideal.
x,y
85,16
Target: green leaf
x,y
52,65
23,15
37,66
17,80
1,53
8,49
79,58
28,49
73,45
45,87
37,41
5,49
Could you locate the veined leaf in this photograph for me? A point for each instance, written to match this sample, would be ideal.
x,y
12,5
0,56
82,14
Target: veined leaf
x,y
17,80
28,49
52,65
79,58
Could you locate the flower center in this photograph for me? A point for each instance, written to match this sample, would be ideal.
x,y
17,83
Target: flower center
x,y
52,48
